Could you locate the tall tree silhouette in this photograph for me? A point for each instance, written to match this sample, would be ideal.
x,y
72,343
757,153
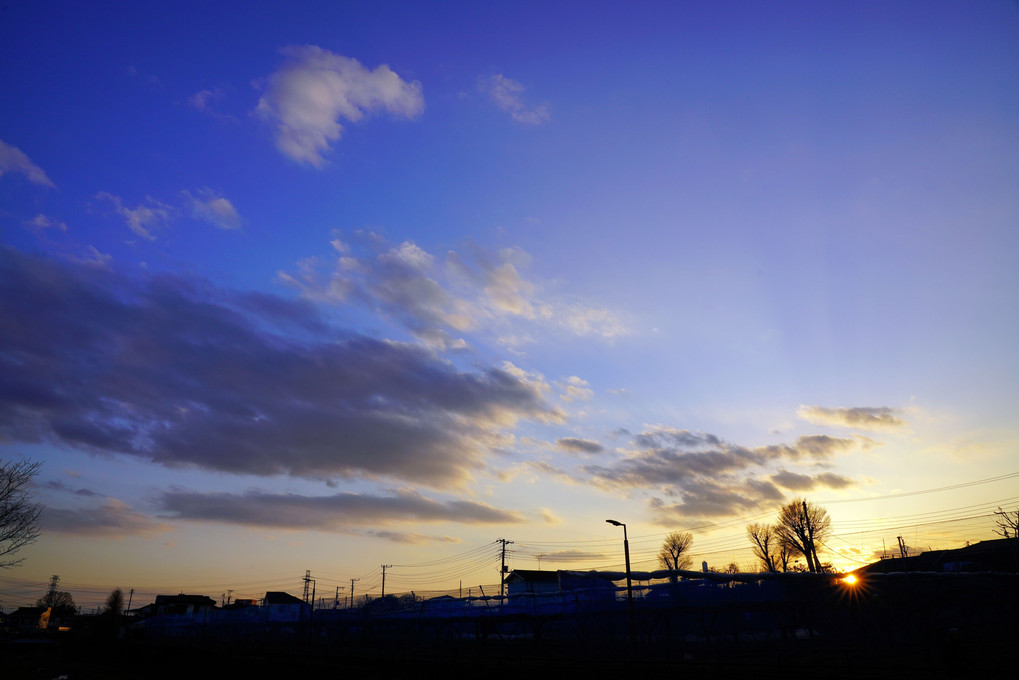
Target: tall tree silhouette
x,y
802,525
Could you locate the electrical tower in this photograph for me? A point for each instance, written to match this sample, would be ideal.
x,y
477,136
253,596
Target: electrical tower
x,y
308,580
502,570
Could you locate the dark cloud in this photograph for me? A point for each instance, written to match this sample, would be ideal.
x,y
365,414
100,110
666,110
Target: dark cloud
x,y
665,467
174,370
764,490
712,477
799,483
338,512
112,519
817,446
867,418
575,445
60,486
667,438
706,498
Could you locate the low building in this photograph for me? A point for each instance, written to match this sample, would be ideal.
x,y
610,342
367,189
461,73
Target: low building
x,y
285,608
28,619
183,604
563,590
998,555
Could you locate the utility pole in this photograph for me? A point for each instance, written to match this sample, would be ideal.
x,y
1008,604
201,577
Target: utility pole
x,y
307,584
336,599
352,591
502,570
384,567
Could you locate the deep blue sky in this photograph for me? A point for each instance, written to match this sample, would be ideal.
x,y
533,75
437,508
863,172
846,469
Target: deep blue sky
x,y
377,279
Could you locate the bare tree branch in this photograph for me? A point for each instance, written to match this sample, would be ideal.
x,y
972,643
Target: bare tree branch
x,y
19,516
801,526
1008,523
673,554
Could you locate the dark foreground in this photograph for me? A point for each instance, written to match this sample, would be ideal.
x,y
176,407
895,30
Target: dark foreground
x,y
897,626
71,658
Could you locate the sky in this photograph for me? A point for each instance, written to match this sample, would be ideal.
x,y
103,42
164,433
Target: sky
x,y
331,286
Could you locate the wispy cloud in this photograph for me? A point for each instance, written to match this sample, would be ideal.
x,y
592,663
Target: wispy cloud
x,y
508,95
143,219
173,370
41,223
307,97
576,389
14,160
208,206
203,99
440,298
866,418
152,216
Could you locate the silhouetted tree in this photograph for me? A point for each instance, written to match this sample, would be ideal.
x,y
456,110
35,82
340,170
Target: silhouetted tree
x,y
19,516
783,555
1007,523
673,555
115,603
801,526
765,544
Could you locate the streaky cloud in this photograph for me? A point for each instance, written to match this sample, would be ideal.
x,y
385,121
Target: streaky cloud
x,y
508,95
866,418
577,445
13,160
337,512
172,369
113,519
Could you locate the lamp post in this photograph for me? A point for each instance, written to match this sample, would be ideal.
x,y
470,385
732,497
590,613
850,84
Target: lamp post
x,y
629,584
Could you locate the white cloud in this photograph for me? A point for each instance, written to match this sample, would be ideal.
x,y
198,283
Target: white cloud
x,y
507,94
308,96
576,389
209,207
141,219
478,291
13,159
41,223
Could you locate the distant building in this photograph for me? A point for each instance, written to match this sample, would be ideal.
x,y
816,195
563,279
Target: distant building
x,y
182,604
28,619
565,590
1001,555
285,608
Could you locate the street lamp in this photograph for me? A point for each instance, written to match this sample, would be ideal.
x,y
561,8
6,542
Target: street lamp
x,y
629,584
